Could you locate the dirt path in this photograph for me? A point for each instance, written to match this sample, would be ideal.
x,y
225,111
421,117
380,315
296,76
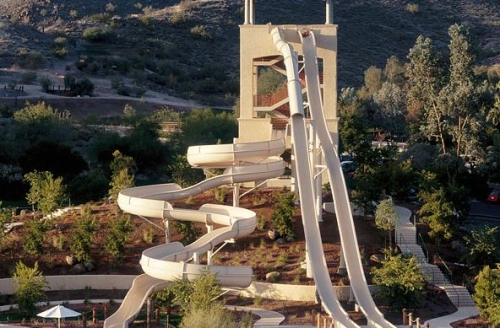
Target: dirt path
x,y
104,102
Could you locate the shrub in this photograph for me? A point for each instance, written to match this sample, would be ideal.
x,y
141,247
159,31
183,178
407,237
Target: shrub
x,y
59,52
200,32
61,41
97,34
31,60
45,83
412,8
284,210
144,20
179,18
28,77
110,7
73,13
102,17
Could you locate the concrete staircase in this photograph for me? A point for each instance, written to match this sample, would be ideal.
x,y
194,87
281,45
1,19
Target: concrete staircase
x,y
406,239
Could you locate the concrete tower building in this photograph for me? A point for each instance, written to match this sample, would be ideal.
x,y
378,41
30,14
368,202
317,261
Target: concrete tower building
x,y
265,116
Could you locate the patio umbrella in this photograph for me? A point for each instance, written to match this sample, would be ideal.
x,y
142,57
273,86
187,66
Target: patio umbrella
x,y
58,312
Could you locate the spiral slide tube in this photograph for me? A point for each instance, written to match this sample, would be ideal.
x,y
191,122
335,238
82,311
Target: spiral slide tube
x,y
166,262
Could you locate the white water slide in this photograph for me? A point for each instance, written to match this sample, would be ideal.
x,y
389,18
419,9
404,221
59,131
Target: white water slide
x,y
166,262
340,196
251,162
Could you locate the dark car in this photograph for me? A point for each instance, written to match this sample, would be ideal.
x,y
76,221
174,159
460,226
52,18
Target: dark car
x,y
494,196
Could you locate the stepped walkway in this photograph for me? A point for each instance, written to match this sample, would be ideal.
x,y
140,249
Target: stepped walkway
x,y
406,239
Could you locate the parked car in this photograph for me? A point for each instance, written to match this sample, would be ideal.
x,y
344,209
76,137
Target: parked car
x,y
494,196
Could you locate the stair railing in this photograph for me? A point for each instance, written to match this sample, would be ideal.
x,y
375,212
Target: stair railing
x,y
420,241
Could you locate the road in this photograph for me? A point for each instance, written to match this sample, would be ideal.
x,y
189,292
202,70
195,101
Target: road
x,y
483,213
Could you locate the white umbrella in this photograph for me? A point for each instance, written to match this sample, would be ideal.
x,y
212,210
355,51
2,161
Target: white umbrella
x,y
58,312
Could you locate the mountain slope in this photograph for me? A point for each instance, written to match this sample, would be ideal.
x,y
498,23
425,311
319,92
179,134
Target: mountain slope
x,y
179,61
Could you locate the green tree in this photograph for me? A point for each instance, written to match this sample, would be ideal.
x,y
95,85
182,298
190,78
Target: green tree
x,y
81,239
182,173
199,293
447,97
209,127
35,236
487,294
425,78
144,145
460,98
188,230
45,192
30,288
386,217
118,236
482,248
270,81
5,218
284,211
122,173
438,212
400,280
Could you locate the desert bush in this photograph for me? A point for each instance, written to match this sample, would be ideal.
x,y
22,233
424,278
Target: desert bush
x,y
118,236
186,4
148,235
179,18
110,7
97,34
45,83
145,20
148,10
284,211
31,60
58,242
213,316
412,8
59,52
220,194
73,13
200,32
82,238
60,41
101,17
261,223
30,288
28,77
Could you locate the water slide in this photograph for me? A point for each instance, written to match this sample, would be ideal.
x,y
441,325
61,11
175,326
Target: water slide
x,y
340,196
305,179
166,262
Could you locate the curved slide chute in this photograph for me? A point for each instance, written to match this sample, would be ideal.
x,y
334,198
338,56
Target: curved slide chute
x,y
166,262
341,199
312,233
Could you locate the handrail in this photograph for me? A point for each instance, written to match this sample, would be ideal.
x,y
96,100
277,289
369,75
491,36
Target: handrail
x,y
422,243
448,274
402,239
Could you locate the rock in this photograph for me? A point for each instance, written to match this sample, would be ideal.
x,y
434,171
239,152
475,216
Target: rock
x,y
376,258
89,266
78,269
281,241
272,234
273,276
70,259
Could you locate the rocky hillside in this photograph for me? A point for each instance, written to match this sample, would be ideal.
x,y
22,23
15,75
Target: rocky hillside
x,y
191,46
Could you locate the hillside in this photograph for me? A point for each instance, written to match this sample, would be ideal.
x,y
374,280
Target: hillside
x,y
153,45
